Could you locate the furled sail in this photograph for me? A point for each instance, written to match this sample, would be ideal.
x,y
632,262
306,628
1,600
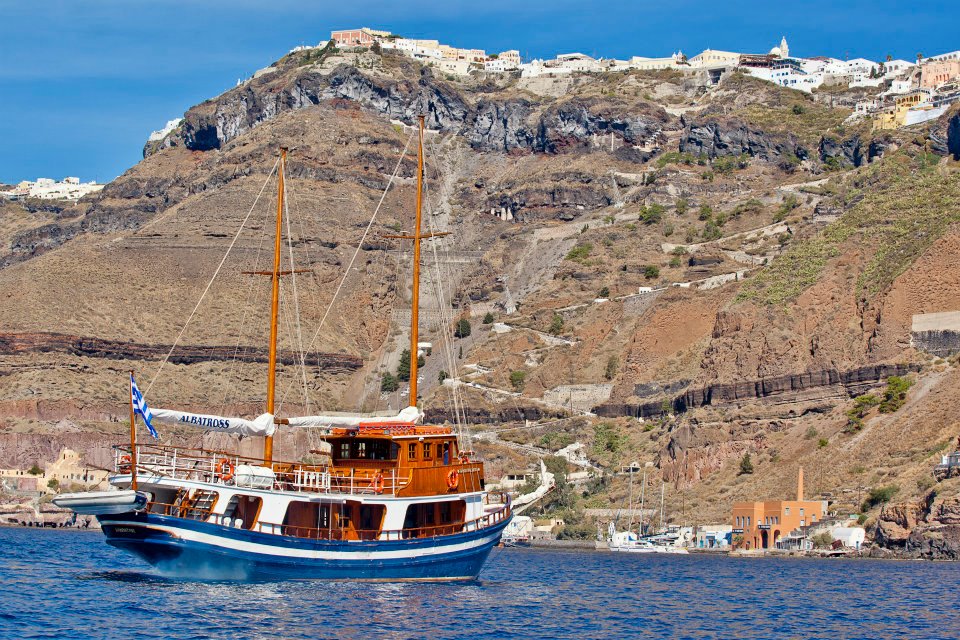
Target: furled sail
x,y
410,414
262,425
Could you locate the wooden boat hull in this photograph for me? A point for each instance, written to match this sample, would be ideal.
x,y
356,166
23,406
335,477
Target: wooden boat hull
x,y
195,549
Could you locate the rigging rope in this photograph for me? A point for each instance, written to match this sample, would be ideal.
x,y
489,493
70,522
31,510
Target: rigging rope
x,y
353,259
296,309
214,277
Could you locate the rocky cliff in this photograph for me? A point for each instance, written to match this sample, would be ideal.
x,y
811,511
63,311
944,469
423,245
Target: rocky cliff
x,y
733,266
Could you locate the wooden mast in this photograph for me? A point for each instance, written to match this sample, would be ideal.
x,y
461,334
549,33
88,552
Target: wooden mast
x,y
415,297
275,308
133,439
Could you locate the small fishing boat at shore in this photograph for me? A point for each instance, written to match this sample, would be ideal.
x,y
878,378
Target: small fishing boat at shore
x,y
393,500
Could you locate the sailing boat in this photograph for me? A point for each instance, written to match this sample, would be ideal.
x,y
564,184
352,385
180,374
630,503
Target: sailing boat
x,y
630,542
398,500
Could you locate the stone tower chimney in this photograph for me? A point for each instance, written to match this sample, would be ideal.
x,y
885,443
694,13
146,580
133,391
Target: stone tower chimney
x,y
800,485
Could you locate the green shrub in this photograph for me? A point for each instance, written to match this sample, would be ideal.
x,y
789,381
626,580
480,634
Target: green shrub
x,y
746,465
822,443
651,271
679,251
556,324
651,214
675,261
668,230
580,252
443,375
879,495
711,231
35,470
681,206
822,540
518,379
53,483
607,439
604,292
706,212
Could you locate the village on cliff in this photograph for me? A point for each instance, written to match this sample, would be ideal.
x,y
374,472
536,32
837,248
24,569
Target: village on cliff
x,y
913,91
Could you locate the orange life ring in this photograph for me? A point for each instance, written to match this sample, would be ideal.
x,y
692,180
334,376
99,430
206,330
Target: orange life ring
x,y
225,470
126,464
377,483
453,479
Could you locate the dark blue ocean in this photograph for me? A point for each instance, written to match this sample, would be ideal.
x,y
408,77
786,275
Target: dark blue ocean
x,y
70,584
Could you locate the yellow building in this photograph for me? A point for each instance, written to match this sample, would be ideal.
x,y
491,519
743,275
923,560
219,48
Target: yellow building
x,y
68,469
760,525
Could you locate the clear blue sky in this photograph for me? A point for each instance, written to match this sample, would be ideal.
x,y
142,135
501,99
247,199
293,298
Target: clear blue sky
x,y
85,81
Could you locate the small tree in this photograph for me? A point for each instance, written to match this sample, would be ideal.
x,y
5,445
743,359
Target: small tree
x,y
403,369
822,540
517,379
463,328
53,483
895,394
681,206
556,324
611,371
604,292
443,375
35,470
746,465
651,271
488,319
389,383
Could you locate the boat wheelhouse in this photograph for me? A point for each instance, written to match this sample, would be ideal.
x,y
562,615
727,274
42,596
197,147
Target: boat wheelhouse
x,y
385,498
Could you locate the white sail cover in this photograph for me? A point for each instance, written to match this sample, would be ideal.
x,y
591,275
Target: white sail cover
x,y
260,426
410,414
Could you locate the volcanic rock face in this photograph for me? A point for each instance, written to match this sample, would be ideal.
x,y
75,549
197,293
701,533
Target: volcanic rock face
x,y
721,137
953,136
846,153
489,125
927,528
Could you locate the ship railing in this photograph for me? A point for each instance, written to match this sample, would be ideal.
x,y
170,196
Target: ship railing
x,y
205,466
335,533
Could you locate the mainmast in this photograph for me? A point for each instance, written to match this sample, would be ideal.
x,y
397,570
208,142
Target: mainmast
x,y
275,307
416,236
415,297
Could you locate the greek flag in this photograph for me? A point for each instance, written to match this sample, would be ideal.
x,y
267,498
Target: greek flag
x,y
140,407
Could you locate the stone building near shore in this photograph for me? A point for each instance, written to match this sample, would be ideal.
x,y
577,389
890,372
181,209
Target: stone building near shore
x,y
68,470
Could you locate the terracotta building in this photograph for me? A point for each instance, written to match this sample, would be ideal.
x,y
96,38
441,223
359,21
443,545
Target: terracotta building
x,y
760,525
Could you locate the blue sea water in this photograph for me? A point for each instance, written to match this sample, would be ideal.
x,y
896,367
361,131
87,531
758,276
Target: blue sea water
x,y
70,584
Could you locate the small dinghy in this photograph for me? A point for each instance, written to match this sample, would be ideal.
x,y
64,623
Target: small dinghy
x,y
96,503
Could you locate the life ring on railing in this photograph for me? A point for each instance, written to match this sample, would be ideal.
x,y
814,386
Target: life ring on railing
x,y
453,479
377,483
126,464
225,470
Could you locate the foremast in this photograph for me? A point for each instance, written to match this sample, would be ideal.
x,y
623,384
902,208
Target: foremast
x,y
275,308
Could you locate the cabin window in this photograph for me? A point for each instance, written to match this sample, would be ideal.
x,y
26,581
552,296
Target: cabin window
x,y
307,520
344,450
361,450
444,512
446,453
412,451
242,511
427,453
